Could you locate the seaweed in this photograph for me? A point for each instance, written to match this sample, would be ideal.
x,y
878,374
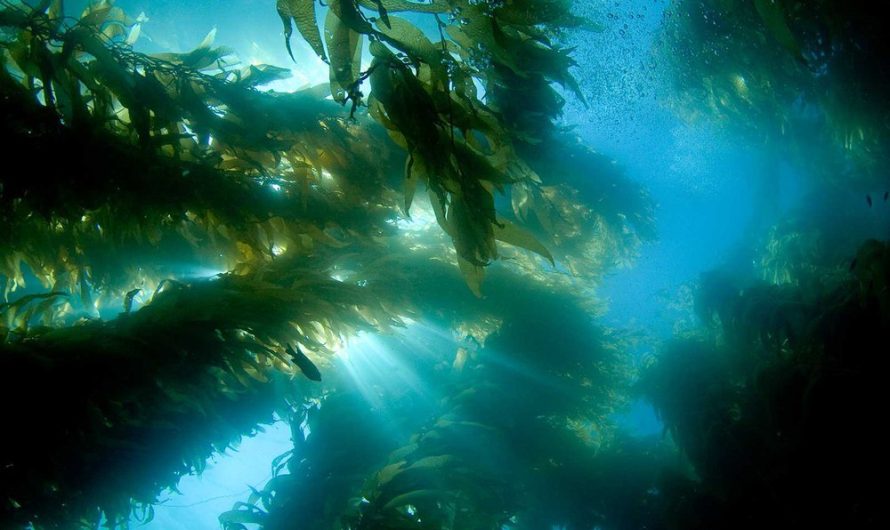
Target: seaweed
x,y
420,93
143,167
765,69
774,407
143,399
527,391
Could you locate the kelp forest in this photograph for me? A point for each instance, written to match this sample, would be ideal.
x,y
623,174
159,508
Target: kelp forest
x,y
487,264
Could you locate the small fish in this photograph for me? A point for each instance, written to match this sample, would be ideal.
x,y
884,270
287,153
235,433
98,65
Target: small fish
x,y
128,299
852,264
886,194
868,199
303,363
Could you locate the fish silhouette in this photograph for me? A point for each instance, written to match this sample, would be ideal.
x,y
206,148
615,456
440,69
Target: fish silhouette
x,y
304,363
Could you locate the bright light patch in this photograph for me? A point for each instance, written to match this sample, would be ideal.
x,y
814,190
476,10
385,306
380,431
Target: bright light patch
x,y
309,71
278,250
380,366
198,500
422,218
201,273
740,85
341,348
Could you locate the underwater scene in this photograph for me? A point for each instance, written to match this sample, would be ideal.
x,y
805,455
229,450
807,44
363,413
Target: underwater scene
x,y
444,264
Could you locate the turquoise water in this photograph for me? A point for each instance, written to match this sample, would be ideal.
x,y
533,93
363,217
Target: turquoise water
x,y
723,374
702,208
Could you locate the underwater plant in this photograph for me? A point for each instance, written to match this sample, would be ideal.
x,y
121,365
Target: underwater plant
x,y
521,415
185,253
245,233
775,406
786,74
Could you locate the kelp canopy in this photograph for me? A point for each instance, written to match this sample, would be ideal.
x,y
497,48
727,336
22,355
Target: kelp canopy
x,y
185,253
772,397
787,75
147,168
774,403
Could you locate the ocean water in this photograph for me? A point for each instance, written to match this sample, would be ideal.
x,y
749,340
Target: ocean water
x,y
718,367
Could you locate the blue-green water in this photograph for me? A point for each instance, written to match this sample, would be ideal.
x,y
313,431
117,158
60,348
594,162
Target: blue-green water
x,y
720,374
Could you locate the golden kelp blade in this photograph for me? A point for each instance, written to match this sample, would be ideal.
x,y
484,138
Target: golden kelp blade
x,y
473,274
301,12
345,46
433,6
513,235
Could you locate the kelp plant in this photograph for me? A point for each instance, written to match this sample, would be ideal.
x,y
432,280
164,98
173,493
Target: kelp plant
x,y
512,417
151,170
788,74
775,405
